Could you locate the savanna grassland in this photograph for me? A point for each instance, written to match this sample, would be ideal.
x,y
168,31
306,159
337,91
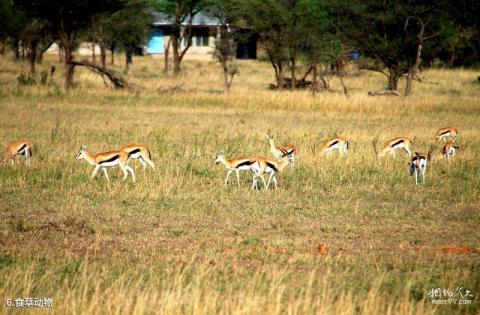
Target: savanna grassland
x,y
349,235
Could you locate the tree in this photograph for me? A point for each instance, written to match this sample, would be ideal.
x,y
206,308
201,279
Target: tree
x,y
394,33
68,18
224,11
181,12
129,28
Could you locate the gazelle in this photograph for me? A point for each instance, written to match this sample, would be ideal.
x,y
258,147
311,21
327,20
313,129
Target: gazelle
x,y
418,165
444,133
393,145
103,160
16,148
139,152
337,143
280,151
234,164
449,150
267,166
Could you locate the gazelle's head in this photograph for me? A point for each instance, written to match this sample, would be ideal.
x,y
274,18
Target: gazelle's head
x,y
290,159
219,157
82,153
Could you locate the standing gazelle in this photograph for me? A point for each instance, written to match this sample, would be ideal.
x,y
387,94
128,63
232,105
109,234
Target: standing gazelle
x,y
280,151
398,143
139,152
235,164
449,150
16,148
267,166
418,165
444,133
337,143
103,160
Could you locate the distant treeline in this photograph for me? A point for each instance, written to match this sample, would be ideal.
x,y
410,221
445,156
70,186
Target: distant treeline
x,y
393,37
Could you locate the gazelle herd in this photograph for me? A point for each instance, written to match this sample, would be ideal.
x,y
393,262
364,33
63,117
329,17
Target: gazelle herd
x,y
283,156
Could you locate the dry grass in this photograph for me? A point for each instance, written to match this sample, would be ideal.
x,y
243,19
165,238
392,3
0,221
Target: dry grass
x,y
341,236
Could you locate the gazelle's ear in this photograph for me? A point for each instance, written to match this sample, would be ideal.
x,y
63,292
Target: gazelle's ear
x,y
83,147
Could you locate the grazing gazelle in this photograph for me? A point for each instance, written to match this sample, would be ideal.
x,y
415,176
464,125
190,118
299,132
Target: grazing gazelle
x,y
235,164
267,166
444,133
398,143
103,160
449,150
337,143
418,165
139,152
280,151
16,148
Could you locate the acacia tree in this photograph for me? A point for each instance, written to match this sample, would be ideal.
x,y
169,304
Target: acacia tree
x,y
224,11
393,33
181,12
67,19
129,28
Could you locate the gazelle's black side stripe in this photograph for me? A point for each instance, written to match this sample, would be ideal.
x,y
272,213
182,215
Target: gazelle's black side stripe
x,y
113,158
397,143
445,132
133,151
272,166
333,143
21,148
246,163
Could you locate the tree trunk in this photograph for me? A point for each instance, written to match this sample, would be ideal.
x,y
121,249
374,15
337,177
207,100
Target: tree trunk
x,y
32,56
418,59
225,76
128,59
167,53
94,57
293,64
315,80
393,78
69,68
176,55
16,49
103,55
61,53
68,47
112,49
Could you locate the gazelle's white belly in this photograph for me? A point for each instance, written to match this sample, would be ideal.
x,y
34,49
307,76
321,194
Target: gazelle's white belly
x,y
135,155
110,164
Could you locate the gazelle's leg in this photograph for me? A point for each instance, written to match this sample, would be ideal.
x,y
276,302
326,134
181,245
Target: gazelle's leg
x,y
407,150
124,170
130,169
416,175
254,182
238,176
269,180
143,162
95,170
424,172
228,174
393,153
275,181
150,162
27,157
264,183
106,173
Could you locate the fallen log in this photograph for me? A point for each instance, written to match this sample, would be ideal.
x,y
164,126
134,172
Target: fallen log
x,y
383,92
114,77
